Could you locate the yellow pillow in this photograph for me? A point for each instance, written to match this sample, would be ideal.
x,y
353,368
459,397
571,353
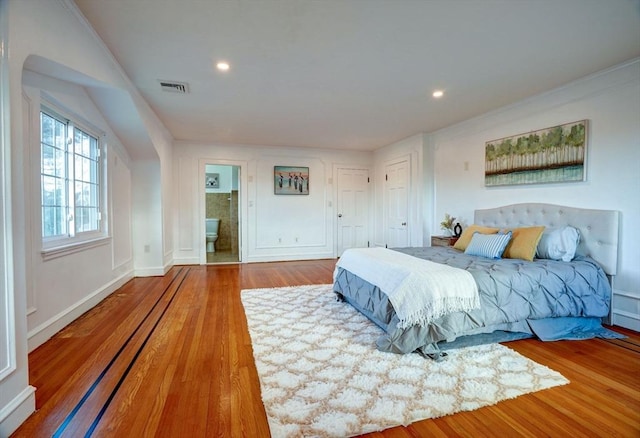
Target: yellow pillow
x,y
467,234
523,243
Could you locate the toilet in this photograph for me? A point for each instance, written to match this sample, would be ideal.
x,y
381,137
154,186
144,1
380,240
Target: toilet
x,y
212,225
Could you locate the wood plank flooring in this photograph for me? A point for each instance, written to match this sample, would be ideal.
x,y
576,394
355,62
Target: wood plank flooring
x,y
171,357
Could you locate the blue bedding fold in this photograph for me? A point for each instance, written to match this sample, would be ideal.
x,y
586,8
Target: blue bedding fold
x,y
569,328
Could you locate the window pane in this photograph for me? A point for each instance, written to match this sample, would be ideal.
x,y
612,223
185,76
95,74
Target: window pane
x,y
86,219
60,193
86,207
94,149
85,144
93,174
70,178
46,129
52,190
93,218
61,163
77,142
83,194
79,167
95,199
86,182
48,160
47,222
79,219
60,135
60,221
52,222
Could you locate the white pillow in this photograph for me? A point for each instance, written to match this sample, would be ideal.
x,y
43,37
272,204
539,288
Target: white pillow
x,y
558,243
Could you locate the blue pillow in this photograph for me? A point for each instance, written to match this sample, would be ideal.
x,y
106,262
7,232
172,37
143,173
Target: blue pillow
x,y
488,245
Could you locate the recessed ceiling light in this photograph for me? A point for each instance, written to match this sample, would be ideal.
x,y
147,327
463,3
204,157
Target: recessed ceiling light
x,y
222,66
438,93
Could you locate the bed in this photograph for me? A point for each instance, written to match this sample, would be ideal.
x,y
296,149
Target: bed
x,y
545,298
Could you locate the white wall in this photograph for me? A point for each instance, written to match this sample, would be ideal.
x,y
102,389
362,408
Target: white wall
x,y
17,397
61,289
163,142
273,227
287,227
89,82
611,102
147,224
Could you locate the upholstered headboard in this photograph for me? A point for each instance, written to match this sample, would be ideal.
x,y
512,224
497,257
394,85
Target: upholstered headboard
x,y
598,228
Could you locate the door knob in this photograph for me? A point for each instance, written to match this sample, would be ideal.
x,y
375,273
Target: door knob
x,y
339,214
404,224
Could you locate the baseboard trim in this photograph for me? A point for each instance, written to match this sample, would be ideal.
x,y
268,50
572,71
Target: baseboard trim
x,y
289,257
624,309
150,272
187,261
14,413
626,319
43,332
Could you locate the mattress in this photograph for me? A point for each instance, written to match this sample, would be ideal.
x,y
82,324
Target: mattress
x,y
513,293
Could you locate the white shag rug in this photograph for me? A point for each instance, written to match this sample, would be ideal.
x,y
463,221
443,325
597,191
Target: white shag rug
x,y
322,376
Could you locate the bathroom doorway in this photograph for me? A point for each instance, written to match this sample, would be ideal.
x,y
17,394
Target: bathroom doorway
x,y
222,203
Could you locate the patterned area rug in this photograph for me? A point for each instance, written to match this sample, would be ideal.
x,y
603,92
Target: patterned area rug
x,y
321,375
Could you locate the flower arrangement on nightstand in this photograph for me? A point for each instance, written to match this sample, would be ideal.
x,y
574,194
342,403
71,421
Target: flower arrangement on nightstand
x,y
449,239
447,224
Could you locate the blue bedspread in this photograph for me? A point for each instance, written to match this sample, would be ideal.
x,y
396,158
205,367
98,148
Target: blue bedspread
x,y
513,292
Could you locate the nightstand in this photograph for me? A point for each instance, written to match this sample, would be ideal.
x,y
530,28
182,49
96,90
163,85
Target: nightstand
x,y
443,240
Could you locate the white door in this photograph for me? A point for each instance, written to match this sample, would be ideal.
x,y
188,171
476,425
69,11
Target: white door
x,y
397,204
352,209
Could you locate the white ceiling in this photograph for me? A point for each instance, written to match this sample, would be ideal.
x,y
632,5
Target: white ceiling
x,y
353,74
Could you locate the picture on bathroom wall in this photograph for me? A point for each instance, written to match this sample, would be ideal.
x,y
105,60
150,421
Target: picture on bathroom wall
x,y
291,180
212,181
550,155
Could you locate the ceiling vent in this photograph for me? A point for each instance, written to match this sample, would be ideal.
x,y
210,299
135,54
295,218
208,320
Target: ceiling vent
x,y
174,87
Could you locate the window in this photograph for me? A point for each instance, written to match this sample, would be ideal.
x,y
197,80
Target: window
x,y
70,174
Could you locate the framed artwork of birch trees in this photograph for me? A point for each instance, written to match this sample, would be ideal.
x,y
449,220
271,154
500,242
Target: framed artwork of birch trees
x,y
550,155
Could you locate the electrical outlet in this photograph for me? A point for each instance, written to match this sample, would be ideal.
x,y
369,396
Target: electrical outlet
x,y
147,248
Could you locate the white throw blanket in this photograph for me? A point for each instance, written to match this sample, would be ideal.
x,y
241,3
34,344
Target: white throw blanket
x,y
419,290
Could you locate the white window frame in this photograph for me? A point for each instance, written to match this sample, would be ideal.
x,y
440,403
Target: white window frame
x,y
72,241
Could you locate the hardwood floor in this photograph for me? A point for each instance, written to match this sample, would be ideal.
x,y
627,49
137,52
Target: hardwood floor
x,y
171,357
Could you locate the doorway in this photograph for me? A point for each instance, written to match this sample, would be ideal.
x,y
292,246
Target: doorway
x,y
222,219
352,208
396,204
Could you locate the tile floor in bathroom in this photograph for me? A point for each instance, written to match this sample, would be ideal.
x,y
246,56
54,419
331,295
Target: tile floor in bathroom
x,y
222,257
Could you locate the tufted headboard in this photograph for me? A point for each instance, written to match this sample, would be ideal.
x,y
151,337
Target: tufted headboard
x,y
598,228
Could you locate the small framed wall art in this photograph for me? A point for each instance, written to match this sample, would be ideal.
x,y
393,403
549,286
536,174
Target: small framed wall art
x,y
290,180
212,181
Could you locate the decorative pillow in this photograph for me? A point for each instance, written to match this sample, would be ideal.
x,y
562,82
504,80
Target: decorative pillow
x,y
524,243
488,245
559,243
468,232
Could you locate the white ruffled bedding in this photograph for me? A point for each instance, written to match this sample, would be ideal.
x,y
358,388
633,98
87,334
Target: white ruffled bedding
x,y
419,290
